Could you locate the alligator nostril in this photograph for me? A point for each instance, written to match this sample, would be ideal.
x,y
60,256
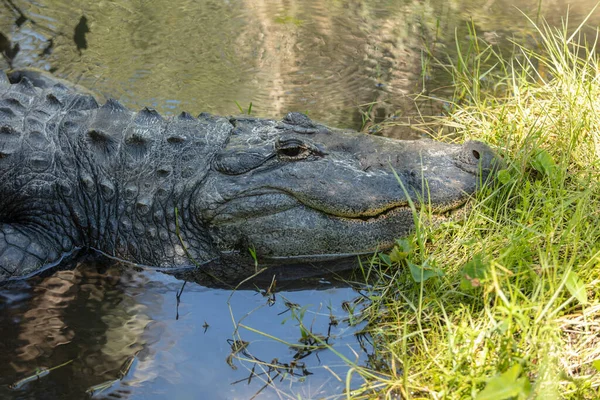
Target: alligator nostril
x,y
476,154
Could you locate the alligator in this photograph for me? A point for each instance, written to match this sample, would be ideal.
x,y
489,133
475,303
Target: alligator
x,y
210,193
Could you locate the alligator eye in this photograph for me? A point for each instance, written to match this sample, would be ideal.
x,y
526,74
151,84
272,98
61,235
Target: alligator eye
x,y
291,152
292,149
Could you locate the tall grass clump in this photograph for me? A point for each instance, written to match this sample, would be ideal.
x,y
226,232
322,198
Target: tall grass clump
x,y
503,304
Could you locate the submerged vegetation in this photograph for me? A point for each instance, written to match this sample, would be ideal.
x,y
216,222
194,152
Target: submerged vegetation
x,y
503,304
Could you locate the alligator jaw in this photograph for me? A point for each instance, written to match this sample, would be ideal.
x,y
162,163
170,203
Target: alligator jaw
x,y
323,236
367,216
439,212
454,212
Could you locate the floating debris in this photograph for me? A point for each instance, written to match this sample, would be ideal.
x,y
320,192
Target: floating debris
x,y
126,366
101,387
237,346
39,373
123,371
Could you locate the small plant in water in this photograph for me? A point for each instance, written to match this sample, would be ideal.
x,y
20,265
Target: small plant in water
x,y
242,111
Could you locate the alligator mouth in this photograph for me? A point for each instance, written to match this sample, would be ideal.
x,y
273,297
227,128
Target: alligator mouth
x,y
385,245
369,216
294,231
373,218
440,212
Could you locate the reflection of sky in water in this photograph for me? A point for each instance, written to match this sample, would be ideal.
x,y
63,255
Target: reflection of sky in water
x,y
194,361
99,319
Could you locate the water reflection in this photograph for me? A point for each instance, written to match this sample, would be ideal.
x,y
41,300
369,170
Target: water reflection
x,y
99,314
80,31
8,50
345,63
348,64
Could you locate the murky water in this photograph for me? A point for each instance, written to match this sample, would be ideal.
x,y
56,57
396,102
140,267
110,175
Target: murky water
x,y
98,314
345,63
339,61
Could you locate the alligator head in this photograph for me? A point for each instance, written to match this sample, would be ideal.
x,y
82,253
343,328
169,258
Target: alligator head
x,y
299,192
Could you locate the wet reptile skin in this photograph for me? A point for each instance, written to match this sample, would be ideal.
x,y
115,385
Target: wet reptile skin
x,y
158,191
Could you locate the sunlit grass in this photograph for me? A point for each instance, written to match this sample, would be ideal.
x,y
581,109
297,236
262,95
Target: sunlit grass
x,y
516,313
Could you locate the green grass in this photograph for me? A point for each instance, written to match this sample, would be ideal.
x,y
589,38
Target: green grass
x,y
516,313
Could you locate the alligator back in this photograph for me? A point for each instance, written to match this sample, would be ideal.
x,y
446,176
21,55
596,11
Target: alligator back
x,y
74,175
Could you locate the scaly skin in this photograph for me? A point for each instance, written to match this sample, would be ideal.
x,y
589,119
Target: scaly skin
x,y
158,192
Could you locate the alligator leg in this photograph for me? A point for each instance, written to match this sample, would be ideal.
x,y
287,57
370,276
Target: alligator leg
x,y
25,251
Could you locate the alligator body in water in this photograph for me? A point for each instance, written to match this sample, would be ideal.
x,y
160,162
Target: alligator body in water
x,y
161,192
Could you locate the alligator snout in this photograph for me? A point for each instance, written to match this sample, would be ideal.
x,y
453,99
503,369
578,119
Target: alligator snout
x,y
477,158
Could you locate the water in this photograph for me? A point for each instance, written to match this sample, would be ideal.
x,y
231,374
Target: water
x,y
339,61
99,314
345,63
